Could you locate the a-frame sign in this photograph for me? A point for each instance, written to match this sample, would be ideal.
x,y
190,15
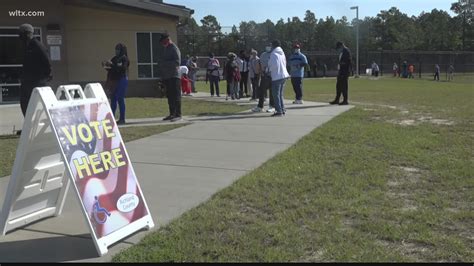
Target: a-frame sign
x,y
67,139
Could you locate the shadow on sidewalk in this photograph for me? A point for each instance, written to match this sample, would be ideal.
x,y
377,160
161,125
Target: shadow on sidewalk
x,y
296,107
49,249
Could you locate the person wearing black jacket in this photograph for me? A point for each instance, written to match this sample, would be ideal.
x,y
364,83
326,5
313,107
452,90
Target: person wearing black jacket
x,y
36,71
117,75
169,65
345,67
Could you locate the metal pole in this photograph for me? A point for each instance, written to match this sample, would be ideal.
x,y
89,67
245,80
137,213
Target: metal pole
x,y
357,40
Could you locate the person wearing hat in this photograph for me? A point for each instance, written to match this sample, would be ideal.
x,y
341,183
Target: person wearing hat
x,y
297,63
168,70
279,74
344,70
232,76
36,71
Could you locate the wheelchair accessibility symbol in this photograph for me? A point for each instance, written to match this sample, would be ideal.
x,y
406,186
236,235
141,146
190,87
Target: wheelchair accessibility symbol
x,y
100,214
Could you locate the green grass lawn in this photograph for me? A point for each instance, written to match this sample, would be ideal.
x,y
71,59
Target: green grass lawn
x,y
9,143
390,180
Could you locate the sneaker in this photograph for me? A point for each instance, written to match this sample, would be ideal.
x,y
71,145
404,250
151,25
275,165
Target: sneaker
x,y
18,132
344,103
226,98
295,101
168,118
121,122
176,118
218,96
257,109
271,110
334,102
277,115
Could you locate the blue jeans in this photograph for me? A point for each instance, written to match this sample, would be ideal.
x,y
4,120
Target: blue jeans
x,y
297,83
119,96
277,90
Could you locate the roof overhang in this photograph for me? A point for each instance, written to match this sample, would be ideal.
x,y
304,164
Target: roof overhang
x,y
156,6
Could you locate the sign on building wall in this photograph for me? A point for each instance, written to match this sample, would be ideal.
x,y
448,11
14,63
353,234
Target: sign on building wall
x,y
91,155
54,39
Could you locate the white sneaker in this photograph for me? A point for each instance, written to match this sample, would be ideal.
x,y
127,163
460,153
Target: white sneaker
x,y
270,110
257,109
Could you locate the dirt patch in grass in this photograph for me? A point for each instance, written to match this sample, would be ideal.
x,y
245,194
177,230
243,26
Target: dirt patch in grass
x,y
411,249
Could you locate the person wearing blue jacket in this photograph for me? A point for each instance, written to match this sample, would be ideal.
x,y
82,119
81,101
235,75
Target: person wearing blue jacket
x,y
297,63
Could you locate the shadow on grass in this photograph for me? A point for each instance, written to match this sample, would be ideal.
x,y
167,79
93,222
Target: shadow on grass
x,y
11,136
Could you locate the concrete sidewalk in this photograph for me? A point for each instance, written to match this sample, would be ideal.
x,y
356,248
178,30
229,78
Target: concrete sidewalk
x,y
177,170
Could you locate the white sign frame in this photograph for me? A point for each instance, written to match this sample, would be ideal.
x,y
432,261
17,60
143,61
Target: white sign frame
x,y
46,100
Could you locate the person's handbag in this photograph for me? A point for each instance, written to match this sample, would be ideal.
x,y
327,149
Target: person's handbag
x,y
110,85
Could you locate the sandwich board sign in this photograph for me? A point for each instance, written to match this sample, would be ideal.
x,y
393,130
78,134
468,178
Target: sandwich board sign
x,y
74,140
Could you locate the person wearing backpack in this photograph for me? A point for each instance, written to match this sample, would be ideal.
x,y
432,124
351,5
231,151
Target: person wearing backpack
x,y
213,74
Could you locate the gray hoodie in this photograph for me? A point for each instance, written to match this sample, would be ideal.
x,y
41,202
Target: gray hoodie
x,y
277,64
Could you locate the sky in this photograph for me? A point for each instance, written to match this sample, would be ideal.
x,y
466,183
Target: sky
x,y
232,12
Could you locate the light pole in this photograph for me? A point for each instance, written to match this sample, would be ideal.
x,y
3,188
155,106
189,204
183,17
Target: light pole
x,y
357,40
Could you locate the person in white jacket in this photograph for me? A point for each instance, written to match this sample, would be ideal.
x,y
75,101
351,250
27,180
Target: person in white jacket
x,y
279,74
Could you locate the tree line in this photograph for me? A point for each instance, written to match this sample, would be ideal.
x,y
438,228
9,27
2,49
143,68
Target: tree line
x,y
388,30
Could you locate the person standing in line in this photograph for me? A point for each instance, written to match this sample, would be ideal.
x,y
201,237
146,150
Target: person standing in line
x,y
185,81
437,71
279,74
169,66
193,68
213,74
265,82
254,73
395,69
451,72
243,64
36,71
344,69
297,64
118,69
232,76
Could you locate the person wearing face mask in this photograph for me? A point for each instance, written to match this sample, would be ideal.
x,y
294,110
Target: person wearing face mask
x,y
297,63
168,70
117,69
265,82
344,70
36,71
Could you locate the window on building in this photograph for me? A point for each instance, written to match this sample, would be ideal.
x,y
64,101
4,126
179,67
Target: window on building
x,y
149,51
